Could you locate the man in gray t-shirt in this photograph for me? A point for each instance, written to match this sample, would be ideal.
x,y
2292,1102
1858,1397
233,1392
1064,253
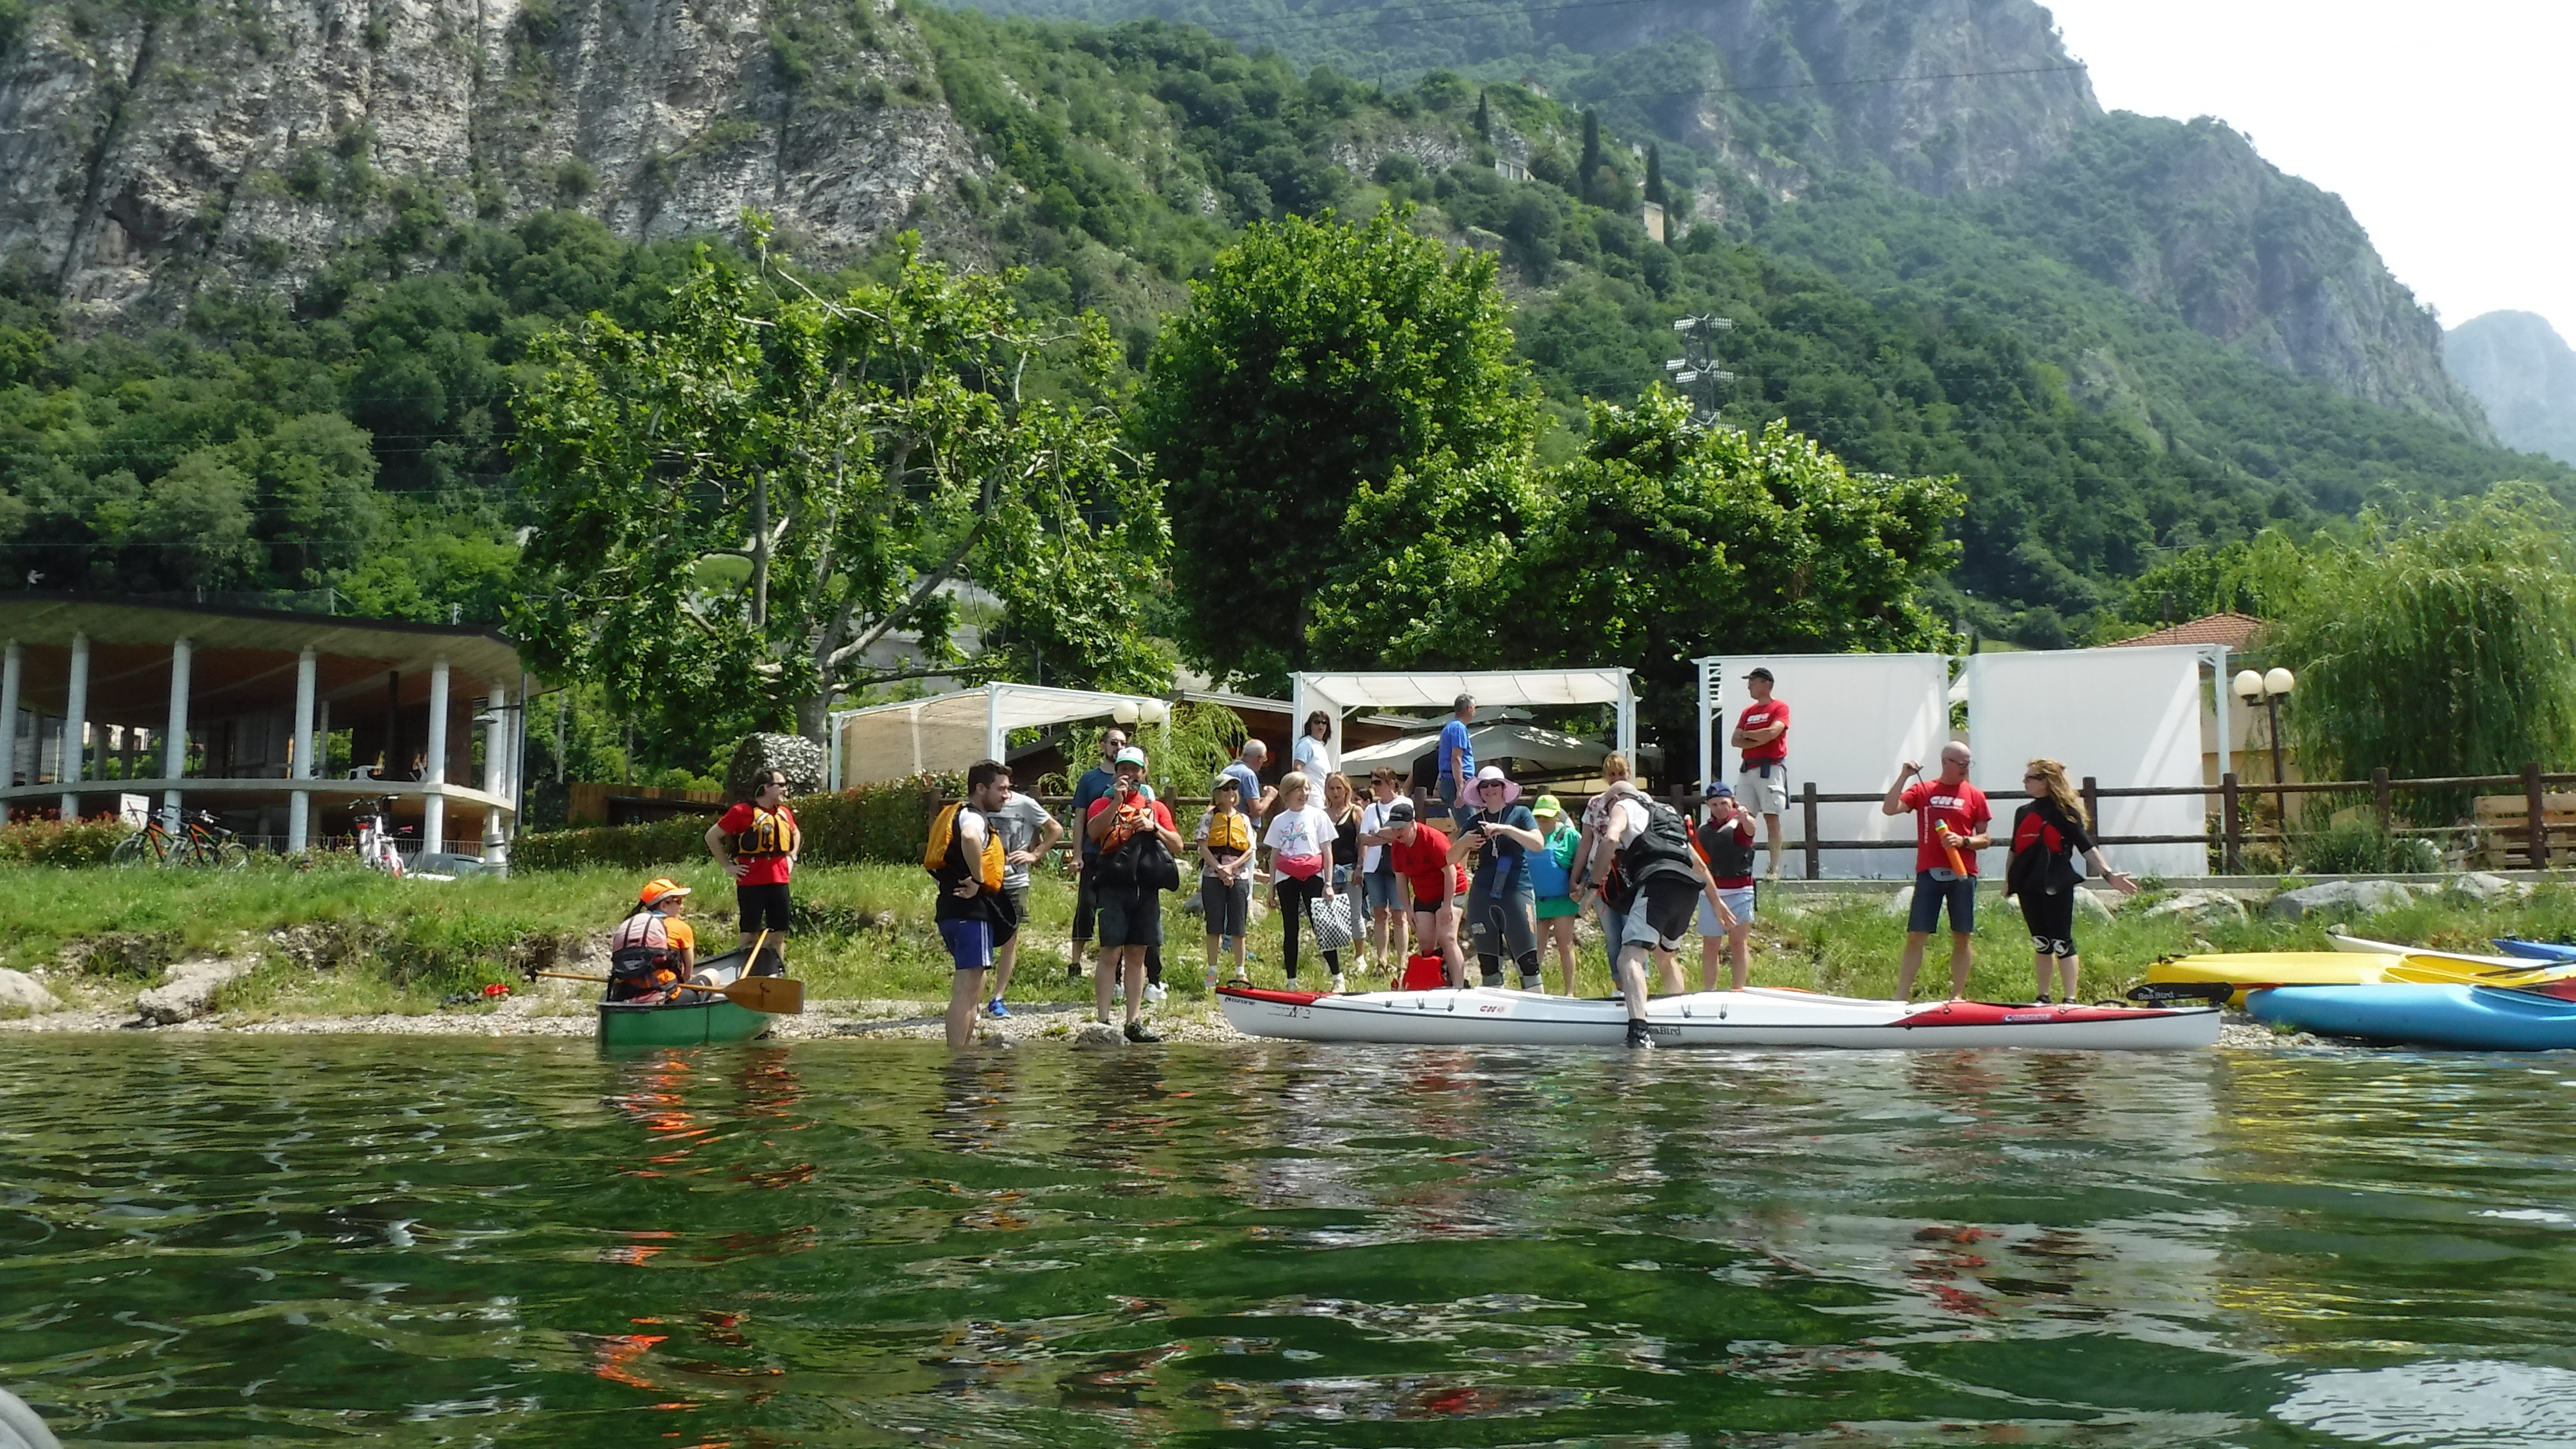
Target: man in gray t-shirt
x,y
1027,832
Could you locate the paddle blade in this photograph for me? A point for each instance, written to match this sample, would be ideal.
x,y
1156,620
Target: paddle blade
x,y
776,995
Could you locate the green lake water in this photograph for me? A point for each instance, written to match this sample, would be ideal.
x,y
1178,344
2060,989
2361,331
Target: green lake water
x,y
428,1241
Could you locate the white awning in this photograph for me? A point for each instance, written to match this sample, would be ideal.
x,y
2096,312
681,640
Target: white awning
x,y
1525,744
947,732
1339,694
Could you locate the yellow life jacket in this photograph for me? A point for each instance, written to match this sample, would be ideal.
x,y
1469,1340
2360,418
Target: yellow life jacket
x,y
772,835
1229,831
944,857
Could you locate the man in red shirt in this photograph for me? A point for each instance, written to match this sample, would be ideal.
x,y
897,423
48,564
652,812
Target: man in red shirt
x,y
1762,732
756,841
1950,819
1130,908
1420,854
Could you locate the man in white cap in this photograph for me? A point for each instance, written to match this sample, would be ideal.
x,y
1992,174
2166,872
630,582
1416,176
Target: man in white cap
x,y
1950,820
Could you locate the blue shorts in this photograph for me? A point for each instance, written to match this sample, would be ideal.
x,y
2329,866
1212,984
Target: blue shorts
x,y
1739,899
970,943
1383,891
1930,893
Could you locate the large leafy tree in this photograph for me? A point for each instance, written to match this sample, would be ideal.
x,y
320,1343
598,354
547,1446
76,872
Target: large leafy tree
x,y
1665,540
742,509
1316,357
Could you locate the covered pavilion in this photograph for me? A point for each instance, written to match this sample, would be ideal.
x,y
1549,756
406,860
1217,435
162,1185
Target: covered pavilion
x,y
1338,694
232,711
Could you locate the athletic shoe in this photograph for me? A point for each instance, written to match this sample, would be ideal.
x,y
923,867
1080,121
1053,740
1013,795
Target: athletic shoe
x,y
1337,983
2042,1001
1210,983
1136,1032
1074,976
1639,1037
1533,983
997,1008
1154,993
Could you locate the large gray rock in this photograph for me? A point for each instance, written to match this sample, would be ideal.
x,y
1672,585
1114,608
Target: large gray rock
x,y
1902,902
2339,898
2477,885
22,992
190,992
2091,906
2198,907
798,757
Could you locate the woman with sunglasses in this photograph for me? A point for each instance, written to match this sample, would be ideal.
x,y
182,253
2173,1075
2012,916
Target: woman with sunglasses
x,y
2047,835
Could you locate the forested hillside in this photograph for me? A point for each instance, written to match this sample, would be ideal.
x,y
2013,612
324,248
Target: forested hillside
x,y
203,398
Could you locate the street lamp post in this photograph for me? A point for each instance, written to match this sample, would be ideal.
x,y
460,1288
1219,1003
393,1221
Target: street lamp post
x,y
2269,690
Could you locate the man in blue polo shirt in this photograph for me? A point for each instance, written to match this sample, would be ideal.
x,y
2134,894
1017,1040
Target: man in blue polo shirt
x,y
1457,759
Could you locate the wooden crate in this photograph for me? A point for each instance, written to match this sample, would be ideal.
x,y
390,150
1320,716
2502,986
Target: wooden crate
x,y
2504,830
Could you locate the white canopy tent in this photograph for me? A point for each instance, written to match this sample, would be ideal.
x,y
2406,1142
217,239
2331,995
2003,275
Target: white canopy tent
x,y
953,731
1339,694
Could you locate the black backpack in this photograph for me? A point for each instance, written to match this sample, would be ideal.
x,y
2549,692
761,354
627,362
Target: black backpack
x,y
1662,848
1140,861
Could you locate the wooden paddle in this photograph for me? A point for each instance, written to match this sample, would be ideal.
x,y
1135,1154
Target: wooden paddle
x,y
776,995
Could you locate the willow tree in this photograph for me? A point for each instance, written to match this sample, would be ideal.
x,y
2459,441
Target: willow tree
x,y
2439,644
743,511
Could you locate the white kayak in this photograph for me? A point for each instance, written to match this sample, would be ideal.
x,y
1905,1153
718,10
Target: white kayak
x,y
2359,947
1761,1017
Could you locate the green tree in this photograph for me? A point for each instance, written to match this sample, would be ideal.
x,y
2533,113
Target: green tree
x,y
2442,644
1317,356
1663,541
738,508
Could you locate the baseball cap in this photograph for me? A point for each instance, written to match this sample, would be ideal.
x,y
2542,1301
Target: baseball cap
x,y
1131,756
1717,788
1546,805
1225,782
661,888
1399,812
1758,672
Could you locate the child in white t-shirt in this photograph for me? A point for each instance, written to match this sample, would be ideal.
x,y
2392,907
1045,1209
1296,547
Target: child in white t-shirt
x,y
1300,838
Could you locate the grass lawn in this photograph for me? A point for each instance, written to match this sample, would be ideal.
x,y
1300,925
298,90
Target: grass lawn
x,y
359,942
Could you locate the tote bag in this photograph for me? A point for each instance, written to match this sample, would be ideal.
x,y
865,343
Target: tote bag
x,y
1334,927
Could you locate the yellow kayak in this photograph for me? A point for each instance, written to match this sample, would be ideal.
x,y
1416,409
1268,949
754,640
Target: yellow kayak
x,y
2254,970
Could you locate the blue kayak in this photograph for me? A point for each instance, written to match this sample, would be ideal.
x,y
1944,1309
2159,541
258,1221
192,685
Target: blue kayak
x,y
2535,950
2469,1018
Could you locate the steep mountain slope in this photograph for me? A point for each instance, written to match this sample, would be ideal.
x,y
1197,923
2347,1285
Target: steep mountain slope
x,y
2524,374
154,145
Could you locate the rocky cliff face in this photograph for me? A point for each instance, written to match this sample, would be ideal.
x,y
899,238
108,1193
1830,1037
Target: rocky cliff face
x,y
1947,95
145,148
2524,374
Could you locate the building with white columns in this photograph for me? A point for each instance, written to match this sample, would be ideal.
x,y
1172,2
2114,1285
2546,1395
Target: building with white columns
x,y
237,712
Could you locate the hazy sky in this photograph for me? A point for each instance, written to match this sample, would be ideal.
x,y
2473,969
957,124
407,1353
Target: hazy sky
x,y
2444,126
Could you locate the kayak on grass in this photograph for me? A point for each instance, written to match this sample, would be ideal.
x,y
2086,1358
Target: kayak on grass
x,y
1761,1017
2254,970
691,1020
2469,1018
2522,950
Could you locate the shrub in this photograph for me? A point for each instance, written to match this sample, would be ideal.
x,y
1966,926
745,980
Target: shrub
x,y
2359,847
883,823
61,842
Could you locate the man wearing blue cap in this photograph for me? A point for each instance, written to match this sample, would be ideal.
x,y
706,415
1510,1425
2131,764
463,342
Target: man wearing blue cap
x,y
1725,842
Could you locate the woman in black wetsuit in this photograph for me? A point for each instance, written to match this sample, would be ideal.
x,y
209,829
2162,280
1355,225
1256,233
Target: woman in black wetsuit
x,y
2047,834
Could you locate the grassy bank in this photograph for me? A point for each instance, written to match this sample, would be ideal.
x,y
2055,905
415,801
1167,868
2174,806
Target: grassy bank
x,y
345,941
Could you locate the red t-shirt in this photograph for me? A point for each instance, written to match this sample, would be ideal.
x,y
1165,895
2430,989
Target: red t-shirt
x,y
1425,863
1962,807
1763,716
764,869
1162,813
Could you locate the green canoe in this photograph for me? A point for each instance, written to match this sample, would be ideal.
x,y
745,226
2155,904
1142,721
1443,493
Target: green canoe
x,y
628,1025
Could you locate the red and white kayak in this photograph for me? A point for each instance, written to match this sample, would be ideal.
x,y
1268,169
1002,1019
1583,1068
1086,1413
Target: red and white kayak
x,y
1761,1017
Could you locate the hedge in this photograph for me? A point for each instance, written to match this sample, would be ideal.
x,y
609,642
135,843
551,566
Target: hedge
x,y
58,842
872,823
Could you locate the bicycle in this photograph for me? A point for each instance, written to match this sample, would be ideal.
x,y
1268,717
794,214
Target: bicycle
x,y
376,840
203,843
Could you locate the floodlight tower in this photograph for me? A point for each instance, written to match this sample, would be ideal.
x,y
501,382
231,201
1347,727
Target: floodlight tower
x,y
1696,372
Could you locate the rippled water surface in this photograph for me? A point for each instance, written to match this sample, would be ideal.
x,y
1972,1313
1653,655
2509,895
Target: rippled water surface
x,y
282,1240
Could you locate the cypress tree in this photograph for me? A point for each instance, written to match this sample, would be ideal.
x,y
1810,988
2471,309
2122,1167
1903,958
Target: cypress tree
x,y
1654,173
1591,146
1484,123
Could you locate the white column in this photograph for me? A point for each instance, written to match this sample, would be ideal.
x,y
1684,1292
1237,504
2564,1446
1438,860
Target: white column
x,y
433,775
76,727
12,675
1708,669
498,770
299,804
174,739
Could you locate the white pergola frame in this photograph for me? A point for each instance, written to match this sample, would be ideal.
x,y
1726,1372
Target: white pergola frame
x,y
1003,712
1711,671
1338,693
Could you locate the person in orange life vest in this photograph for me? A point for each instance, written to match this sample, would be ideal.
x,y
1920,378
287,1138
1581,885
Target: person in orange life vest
x,y
1950,819
1131,912
756,841
1762,732
974,911
652,950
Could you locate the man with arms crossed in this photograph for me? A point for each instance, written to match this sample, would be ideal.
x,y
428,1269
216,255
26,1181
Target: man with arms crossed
x,y
1654,848
1458,760
1950,820
1027,833
973,914
1762,785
